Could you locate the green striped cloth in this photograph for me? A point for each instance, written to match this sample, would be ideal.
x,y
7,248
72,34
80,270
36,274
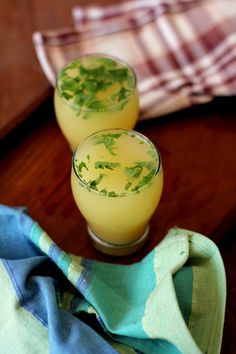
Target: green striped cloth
x,y
176,293
171,302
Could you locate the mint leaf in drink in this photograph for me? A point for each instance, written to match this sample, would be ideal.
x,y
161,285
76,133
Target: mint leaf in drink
x,y
112,194
99,106
147,164
80,98
70,84
90,85
67,96
98,73
118,75
108,140
121,95
145,180
81,82
80,166
108,62
93,184
131,81
127,186
133,172
152,153
83,71
103,191
108,165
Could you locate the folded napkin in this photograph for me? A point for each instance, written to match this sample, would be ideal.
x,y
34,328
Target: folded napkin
x,y
172,301
183,51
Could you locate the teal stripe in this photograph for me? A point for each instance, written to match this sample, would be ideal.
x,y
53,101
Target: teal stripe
x,y
122,286
36,233
64,261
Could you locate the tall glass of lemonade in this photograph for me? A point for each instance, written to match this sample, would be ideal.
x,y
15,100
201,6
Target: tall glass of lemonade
x,y
95,92
117,182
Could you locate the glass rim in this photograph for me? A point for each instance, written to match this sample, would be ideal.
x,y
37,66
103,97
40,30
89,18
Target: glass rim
x,y
121,195
112,107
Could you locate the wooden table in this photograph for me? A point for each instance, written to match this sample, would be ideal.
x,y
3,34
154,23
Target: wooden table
x,y
197,145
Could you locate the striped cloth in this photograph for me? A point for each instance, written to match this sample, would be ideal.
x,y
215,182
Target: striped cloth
x,y
183,51
172,301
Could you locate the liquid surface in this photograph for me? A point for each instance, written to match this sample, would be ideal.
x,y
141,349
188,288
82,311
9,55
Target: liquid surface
x,y
96,83
116,163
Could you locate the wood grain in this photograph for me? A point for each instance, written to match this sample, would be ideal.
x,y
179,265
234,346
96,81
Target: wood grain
x,y
24,87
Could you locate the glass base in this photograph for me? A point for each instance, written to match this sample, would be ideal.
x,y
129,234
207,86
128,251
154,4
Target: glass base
x,y
114,249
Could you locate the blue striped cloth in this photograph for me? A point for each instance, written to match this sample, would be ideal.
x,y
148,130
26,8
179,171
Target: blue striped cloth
x,y
172,301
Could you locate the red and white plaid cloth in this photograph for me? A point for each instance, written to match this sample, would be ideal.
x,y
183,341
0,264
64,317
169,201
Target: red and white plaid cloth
x,y
183,51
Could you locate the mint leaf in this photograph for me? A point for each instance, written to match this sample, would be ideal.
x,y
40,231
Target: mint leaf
x,y
131,81
97,106
81,165
112,194
118,75
66,95
93,184
127,186
108,165
70,84
145,180
108,141
121,95
103,191
147,164
81,84
90,85
108,62
83,71
133,172
152,153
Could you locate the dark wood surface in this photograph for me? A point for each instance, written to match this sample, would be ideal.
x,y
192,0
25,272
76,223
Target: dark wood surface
x,y
19,68
197,145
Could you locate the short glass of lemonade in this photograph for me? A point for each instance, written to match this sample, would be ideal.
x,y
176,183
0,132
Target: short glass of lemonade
x,y
95,92
117,182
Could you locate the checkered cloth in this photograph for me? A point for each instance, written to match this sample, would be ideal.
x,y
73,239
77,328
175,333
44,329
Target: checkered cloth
x,y
183,51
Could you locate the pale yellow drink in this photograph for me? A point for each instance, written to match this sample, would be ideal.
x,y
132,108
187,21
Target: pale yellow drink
x,y
117,182
93,93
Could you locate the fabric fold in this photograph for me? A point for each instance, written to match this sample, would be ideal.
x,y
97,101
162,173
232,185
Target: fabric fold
x,y
172,301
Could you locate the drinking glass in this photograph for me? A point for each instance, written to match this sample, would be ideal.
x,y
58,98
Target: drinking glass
x,y
95,92
117,182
